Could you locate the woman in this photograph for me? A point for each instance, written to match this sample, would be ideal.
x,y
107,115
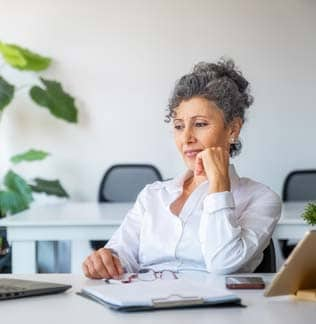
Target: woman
x,y
208,219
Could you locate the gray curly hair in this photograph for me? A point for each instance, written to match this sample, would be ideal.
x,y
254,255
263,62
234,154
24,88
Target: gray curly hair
x,y
220,83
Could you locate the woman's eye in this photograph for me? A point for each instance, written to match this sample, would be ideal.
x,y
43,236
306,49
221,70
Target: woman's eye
x,y
200,124
178,127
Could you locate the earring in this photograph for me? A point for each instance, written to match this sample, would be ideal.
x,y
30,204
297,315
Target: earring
x,y
232,140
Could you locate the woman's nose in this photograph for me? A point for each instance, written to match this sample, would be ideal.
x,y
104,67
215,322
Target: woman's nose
x,y
188,135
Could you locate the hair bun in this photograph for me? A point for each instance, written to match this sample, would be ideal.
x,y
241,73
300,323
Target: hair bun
x,y
241,82
224,68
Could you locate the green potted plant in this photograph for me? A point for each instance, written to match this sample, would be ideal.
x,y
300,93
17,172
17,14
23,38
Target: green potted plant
x,y
309,214
16,193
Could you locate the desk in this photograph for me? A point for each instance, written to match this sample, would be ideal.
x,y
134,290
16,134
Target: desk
x,y
291,225
70,308
77,221
74,221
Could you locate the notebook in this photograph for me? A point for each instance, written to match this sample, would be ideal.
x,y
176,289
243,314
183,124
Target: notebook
x,y
159,294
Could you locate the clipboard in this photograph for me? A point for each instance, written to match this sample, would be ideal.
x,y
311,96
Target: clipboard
x,y
166,304
169,301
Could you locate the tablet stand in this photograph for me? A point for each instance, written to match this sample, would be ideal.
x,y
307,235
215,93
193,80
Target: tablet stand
x,y
306,294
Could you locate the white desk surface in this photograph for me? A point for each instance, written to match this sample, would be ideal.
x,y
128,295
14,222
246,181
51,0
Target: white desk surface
x,y
292,211
82,221
92,220
291,225
94,213
71,308
72,213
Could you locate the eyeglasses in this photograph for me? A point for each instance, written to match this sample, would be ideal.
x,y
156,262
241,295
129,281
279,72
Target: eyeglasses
x,y
148,275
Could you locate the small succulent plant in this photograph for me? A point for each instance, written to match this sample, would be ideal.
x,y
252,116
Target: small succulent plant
x,y
309,214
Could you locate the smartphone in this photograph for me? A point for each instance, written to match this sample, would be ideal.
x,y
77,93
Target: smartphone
x,y
244,282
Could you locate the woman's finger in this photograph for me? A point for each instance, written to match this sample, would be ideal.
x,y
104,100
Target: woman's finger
x,y
109,264
99,266
93,272
199,164
118,265
85,270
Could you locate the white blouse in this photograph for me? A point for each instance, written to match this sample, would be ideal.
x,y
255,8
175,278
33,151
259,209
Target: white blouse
x,y
222,232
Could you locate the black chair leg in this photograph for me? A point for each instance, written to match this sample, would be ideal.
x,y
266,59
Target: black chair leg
x,y
286,248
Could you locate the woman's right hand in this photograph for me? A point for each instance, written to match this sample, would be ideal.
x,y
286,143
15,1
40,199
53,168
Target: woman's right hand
x,y
102,264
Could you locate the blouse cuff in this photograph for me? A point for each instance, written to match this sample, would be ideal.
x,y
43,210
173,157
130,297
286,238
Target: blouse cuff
x,y
218,200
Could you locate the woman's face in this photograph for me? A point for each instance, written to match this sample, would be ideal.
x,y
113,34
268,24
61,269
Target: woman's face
x,y
199,124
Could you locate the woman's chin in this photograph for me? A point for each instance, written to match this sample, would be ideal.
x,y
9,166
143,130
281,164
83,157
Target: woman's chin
x,y
189,162
190,165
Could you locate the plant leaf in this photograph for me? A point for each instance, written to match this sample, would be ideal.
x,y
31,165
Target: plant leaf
x,y
16,183
18,195
58,102
22,58
10,201
50,187
6,93
30,155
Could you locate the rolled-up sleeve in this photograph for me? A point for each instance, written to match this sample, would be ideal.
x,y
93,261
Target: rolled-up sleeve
x,y
229,239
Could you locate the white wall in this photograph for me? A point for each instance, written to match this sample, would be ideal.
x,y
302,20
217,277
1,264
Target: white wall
x,y
121,59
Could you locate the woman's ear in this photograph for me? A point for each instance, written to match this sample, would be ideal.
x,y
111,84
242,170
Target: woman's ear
x,y
234,129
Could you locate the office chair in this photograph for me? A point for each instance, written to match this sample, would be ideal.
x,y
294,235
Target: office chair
x,y
5,263
5,253
268,263
299,185
122,183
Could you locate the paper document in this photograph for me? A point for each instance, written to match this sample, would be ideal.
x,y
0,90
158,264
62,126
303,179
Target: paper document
x,y
159,292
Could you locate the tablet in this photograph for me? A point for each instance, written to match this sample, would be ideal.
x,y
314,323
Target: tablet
x,y
298,271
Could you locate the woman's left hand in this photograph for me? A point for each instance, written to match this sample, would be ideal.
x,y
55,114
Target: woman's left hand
x,y
212,163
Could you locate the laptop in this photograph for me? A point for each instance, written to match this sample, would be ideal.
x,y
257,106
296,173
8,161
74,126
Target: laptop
x,y
16,288
298,271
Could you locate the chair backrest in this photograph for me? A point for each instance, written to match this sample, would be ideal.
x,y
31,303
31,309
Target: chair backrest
x,y
123,182
268,263
300,185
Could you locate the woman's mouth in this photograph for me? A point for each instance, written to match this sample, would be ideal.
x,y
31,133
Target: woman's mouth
x,y
191,153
